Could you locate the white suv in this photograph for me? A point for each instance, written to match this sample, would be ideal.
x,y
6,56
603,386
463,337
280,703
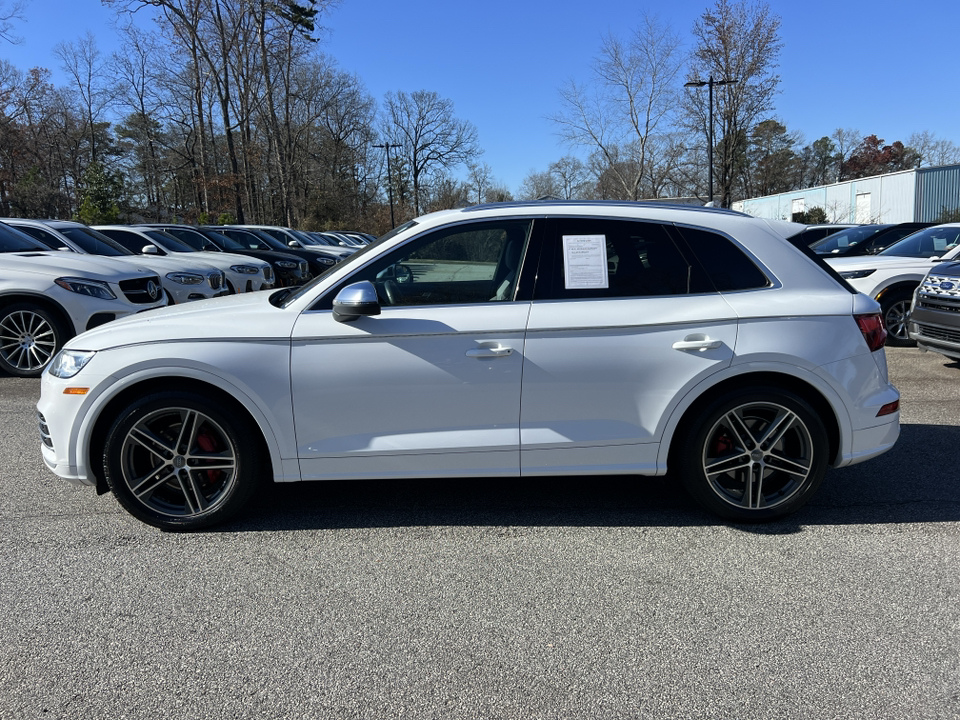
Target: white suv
x,y
47,297
507,340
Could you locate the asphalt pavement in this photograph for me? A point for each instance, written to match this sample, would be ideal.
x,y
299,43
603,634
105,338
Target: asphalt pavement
x,y
546,598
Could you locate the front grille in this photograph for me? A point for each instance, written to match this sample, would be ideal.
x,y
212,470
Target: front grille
x,y
138,290
44,431
216,280
937,333
268,274
942,286
304,268
925,302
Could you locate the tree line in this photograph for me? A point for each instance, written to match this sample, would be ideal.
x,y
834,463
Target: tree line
x,y
228,111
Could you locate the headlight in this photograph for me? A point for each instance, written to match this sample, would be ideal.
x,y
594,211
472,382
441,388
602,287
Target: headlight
x,y
93,288
68,363
245,269
185,278
286,264
855,274
327,261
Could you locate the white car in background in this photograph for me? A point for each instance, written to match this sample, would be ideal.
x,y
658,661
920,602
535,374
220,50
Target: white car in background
x,y
891,276
511,340
243,274
47,297
183,279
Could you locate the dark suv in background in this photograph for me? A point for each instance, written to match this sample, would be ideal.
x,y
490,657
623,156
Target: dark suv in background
x,y
935,313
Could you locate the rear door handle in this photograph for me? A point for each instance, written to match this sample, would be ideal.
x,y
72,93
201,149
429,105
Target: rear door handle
x,y
693,342
490,351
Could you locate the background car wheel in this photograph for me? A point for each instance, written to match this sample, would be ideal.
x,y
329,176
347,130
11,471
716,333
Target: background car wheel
x,y
29,338
896,310
754,455
179,461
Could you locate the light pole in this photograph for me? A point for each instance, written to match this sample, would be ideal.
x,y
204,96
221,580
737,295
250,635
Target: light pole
x,y
709,83
387,146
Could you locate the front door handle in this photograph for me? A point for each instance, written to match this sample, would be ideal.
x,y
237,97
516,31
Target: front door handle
x,y
697,342
490,351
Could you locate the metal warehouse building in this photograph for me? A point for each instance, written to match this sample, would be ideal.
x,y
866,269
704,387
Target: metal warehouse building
x,y
920,195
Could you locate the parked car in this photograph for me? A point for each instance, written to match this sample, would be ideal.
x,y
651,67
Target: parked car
x,y
935,311
258,239
892,276
325,239
183,280
288,270
242,274
297,241
813,234
512,340
47,297
866,239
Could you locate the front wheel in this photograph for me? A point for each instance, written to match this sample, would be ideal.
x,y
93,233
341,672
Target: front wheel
x,y
29,338
754,455
896,312
180,461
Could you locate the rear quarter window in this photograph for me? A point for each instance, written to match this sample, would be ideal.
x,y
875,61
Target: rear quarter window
x,y
727,266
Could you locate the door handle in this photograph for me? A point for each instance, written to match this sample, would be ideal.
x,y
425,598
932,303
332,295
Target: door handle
x,y
697,342
490,351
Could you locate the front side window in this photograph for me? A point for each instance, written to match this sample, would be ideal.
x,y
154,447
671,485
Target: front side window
x,y
463,264
602,258
932,242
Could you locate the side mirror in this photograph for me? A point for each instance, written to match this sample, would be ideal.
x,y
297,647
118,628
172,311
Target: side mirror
x,y
150,250
293,244
356,300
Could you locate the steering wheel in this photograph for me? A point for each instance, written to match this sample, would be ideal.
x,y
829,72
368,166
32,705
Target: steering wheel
x,y
402,274
392,292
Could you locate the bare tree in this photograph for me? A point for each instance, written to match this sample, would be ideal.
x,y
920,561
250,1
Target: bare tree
x,y
480,175
845,140
423,125
571,178
83,63
537,185
634,91
932,150
740,42
9,13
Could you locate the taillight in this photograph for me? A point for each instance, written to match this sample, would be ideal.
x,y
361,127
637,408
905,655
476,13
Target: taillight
x,y
887,409
873,330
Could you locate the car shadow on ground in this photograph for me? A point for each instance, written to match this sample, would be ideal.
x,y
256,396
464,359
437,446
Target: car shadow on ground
x,y
913,483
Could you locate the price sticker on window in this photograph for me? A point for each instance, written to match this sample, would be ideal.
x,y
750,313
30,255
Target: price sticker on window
x,y
585,262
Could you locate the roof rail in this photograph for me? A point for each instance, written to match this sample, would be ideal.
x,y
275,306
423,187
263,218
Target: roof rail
x,y
603,203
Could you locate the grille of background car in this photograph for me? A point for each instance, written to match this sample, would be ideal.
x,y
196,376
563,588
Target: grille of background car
x,y
936,333
268,274
216,280
135,290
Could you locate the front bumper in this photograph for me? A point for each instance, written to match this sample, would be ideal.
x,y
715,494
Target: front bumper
x,y
936,329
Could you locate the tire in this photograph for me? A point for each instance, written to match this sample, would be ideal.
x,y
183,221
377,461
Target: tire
x,y
29,338
180,461
895,310
729,465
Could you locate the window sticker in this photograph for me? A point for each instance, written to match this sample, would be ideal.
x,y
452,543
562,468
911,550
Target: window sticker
x,y
585,262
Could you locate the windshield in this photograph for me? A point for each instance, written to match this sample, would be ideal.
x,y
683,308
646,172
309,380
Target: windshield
x,y
92,242
932,242
14,241
357,257
851,237
168,242
225,243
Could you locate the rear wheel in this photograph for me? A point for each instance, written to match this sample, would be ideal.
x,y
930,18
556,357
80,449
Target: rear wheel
x,y
178,461
754,455
896,310
29,338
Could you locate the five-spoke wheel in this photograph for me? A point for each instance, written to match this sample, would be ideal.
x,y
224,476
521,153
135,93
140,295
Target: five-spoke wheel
x,y
178,461
29,338
754,455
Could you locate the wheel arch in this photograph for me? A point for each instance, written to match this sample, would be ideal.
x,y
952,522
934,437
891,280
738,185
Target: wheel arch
x,y
808,391
107,413
900,286
45,302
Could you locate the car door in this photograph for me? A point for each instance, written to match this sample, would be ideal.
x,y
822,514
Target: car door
x,y
624,322
431,385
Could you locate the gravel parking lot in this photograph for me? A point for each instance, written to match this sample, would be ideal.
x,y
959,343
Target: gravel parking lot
x,y
550,598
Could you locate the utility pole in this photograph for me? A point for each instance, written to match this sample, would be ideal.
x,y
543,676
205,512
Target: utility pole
x,y
710,83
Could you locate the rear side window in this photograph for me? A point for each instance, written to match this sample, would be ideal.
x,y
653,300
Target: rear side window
x,y
728,267
602,258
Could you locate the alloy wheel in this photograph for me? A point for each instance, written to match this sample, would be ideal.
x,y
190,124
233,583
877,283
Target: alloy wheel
x,y
758,455
27,340
178,462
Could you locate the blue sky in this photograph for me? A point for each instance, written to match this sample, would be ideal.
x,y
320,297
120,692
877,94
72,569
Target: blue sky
x,y
880,67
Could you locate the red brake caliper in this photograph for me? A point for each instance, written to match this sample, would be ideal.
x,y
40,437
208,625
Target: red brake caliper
x,y
207,444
